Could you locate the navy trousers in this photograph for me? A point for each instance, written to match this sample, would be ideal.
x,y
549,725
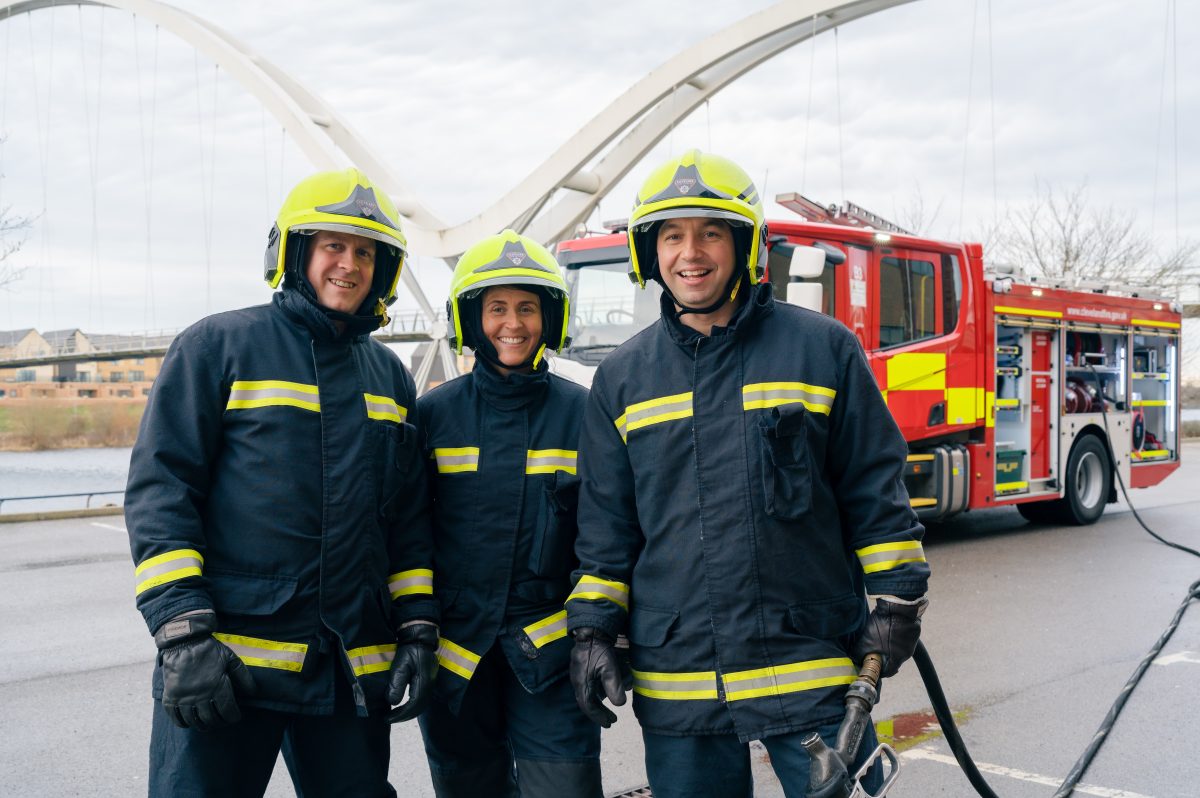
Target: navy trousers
x,y
718,766
503,735
327,755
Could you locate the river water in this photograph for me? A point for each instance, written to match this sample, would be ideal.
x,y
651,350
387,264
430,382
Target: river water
x,y
62,471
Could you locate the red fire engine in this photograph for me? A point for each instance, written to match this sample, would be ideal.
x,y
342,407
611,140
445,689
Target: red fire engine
x,y
1005,388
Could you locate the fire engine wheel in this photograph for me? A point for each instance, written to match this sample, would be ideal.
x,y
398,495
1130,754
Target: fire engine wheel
x,y
1089,480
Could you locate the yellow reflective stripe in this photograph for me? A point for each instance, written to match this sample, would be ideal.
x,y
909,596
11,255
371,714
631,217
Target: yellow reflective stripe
x,y
167,567
384,408
259,653
1049,314
1149,403
761,395
886,556
791,678
675,686
457,659
547,461
1170,325
1011,487
455,460
654,411
593,587
246,394
371,659
408,583
547,630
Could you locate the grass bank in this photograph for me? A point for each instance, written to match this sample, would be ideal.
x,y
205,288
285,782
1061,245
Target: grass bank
x,y
30,425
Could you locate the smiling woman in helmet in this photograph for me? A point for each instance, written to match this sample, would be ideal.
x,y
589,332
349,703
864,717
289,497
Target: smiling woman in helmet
x,y
501,443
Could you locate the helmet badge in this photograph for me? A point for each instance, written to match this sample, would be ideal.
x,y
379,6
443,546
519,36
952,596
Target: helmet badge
x,y
368,208
684,184
517,258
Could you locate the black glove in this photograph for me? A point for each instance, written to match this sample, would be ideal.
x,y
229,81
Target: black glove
x,y
200,673
596,674
414,668
892,631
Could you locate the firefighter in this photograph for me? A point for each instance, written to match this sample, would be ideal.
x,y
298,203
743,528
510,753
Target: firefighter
x,y
501,447
741,496
278,521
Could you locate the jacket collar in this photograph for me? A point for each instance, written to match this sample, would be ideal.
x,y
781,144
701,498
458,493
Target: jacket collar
x,y
511,392
759,303
317,319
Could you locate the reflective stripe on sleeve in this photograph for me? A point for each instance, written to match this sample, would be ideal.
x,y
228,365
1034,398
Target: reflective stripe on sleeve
x,y
654,411
168,567
371,659
259,653
593,587
761,395
547,461
780,679
384,408
408,583
247,394
675,686
457,460
457,659
547,630
887,556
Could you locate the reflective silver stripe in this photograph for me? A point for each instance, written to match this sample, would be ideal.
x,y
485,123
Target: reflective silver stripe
x,y
675,686
592,587
457,459
791,678
259,653
371,659
654,411
886,556
407,583
547,461
772,394
385,408
547,630
456,659
167,567
246,394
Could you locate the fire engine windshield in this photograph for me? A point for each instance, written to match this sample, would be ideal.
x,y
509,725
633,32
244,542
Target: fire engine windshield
x,y
606,308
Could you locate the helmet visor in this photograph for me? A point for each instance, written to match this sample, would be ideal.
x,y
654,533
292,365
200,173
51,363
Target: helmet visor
x,y
353,229
691,211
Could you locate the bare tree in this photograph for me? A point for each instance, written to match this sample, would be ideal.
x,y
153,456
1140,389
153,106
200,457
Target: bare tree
x,y
915,215
1060,235
12,236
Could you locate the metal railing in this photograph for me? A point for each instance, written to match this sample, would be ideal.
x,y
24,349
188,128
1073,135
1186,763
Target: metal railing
x,y
87,503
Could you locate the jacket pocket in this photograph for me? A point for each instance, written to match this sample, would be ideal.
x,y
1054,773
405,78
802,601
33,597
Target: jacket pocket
x,y
398,457
649,626
787,479
828,619
552,553
236,593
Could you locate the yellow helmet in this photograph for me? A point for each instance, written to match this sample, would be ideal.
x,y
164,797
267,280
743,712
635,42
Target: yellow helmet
x,y
512,259
346,202
696,184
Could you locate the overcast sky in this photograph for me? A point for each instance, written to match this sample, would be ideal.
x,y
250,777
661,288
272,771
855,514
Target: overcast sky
x,y
966,103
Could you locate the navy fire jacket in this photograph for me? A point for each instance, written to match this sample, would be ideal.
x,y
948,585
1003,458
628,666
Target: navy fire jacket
x,y
502,456
277,480
741,492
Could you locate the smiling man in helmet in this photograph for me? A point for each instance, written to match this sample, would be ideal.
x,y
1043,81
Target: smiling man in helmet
x,y
502,445
741,495
278,520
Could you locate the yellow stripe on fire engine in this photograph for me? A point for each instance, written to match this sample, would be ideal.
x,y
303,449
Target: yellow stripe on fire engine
x,y
962,405
1170,325
1047,314
917,371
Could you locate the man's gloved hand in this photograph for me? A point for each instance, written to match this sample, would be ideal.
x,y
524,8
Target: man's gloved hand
x,y
200,673
413,669
892,630
596,674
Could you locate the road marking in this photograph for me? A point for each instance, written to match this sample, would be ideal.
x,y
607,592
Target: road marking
x,y
996,770
113,527
1182,656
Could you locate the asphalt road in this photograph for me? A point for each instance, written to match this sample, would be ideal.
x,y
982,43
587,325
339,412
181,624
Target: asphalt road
x,y
1034,631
